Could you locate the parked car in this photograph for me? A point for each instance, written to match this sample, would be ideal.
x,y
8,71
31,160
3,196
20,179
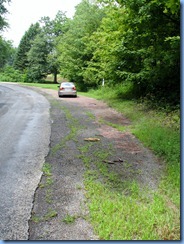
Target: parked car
x,y
67,89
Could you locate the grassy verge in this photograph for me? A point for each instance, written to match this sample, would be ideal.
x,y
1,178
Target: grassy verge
x,y
41,85
120,210
157,129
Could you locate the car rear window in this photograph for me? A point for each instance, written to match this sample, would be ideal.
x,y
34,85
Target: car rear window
x,y
67,84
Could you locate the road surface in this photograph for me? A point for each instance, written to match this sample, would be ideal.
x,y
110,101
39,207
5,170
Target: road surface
x,y
24,143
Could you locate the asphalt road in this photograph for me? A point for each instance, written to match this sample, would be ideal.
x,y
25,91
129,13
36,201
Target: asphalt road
x,y
24,144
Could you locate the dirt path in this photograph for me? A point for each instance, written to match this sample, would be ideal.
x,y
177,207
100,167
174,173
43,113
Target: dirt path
x,y
60,211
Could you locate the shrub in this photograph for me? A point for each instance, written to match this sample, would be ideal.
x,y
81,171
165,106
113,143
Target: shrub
x,y
9,74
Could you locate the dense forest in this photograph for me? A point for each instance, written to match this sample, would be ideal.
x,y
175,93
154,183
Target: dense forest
x,y
133,43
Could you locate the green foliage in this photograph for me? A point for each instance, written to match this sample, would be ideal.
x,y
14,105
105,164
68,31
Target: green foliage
x,y
118,41
72,47
7,52
53,30
37,58
21,58
9,74
3,11
152,46
69,219
134,41
104,44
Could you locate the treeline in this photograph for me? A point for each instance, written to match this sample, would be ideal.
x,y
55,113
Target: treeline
x,y
122,42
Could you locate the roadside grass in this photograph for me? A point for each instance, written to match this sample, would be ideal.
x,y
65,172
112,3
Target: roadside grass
x,y
158,129
120,210
151,218
41,85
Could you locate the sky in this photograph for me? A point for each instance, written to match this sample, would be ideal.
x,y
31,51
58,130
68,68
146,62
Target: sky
x,y
23,13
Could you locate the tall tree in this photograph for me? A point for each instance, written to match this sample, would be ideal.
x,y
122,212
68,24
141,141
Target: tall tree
x,y
37,58
104,44
74,54
3,11
139,42
7,52
21,60
53,30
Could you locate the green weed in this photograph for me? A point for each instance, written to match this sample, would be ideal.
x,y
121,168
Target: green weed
x,y
47,169
51,214
69,219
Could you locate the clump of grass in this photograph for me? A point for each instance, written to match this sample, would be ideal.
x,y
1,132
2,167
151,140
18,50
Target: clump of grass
x,y
69,219
47,169
50,214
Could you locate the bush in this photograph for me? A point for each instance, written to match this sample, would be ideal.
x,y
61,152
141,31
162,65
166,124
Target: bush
x,y
9,74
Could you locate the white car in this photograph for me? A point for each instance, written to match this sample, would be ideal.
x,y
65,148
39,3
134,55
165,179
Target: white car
x,y
67,89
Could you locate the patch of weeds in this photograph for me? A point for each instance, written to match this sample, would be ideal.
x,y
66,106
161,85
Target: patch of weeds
x,y
90,115
40,185
36,219
49,196
51,214
116,216
49,181
118,208
47,169
116,126
69,219
79,187
73,125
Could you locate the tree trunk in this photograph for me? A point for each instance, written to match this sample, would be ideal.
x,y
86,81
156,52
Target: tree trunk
x,y
55,77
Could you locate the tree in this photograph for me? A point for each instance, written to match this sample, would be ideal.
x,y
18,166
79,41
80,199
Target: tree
x,y
37,58
21,60
104,44
3,11
5,46
53,30
7,53
138,42
72,46
151,43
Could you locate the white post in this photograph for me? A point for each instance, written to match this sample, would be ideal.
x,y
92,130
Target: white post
x,y
103,82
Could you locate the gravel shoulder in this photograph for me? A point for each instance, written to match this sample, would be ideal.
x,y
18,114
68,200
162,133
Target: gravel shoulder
x,y
59,210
